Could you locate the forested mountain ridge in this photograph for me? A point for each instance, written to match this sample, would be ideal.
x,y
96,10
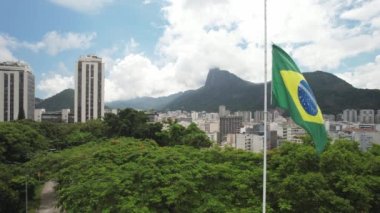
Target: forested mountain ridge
x,y
59,101
224,88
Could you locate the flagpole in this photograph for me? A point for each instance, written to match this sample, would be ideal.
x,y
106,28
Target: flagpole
x,y
265,110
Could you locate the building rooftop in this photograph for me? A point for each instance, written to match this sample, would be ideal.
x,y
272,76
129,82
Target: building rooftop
x,y
15,65
350,130
90,57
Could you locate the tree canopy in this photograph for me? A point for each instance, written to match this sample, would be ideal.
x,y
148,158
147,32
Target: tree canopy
x,y
127,174
126,164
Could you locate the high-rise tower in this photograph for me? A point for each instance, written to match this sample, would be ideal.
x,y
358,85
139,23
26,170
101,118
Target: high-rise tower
x,y
89,89
229,125
16,91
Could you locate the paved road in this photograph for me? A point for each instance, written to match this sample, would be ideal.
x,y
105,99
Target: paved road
x,y
48,199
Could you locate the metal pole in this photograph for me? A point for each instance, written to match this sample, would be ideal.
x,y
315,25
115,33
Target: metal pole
x,y
26,195
265,110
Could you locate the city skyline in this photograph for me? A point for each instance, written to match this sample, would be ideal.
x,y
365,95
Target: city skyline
x,y
162,47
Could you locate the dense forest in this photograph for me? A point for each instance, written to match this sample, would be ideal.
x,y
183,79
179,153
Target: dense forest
x,y
126,164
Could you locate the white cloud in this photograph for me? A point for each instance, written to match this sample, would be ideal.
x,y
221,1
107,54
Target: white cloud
x,y
136,76
375,22
111,55
311,29
54,42
55,81
365,76
147,1
6,44
201,34
86,6
364,11
330,52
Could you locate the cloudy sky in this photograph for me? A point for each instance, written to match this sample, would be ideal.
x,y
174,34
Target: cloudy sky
x,y
158,47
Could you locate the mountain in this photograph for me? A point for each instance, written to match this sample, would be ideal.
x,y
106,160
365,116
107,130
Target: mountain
x,y
62,100
145,103
38,100
224,88
334,94
221,88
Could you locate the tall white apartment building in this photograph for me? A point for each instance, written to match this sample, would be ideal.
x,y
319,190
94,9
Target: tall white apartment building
x,y
16,91
350,115
247,115
367,116
89,89
222,111
258,116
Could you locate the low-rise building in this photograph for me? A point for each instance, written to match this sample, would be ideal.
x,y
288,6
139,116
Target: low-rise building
x,y
62,116
213,136
365,137
248,142
38,114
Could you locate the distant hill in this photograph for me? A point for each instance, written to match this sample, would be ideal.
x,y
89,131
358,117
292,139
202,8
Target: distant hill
x,y
62,100
334,94
224,88
37,100
144,103
221,88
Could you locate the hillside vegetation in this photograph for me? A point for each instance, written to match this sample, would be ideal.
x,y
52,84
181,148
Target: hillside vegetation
x,y
59,101
224,88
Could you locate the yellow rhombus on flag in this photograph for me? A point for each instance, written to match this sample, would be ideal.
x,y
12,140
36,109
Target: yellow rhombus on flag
x,y
291,92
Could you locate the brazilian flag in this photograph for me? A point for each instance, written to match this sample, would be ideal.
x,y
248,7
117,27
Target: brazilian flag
x,y
291,92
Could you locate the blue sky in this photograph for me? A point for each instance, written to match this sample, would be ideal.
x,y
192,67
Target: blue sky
x,y
158,47
115,24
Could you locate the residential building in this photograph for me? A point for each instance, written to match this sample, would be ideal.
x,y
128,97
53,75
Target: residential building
x,y
212,116
247,116
377,120
38,114
112,111
272,141
222,111
213,136
367,116
194,116
229,124
16,91
248,142
62,116
291,133
350,115
277,115
365,137
89,89
258,116
201,124
339,117
211,127
329,117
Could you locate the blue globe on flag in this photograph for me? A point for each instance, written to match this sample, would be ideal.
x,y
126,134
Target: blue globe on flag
x,y
307,99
